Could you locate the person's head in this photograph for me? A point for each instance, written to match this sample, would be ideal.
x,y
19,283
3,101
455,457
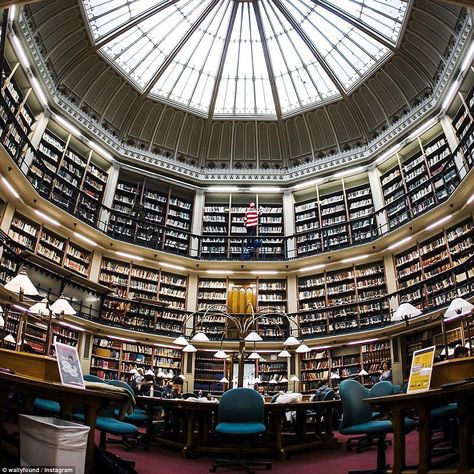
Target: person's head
x,y
252,204
177,383
140,371
385,365
149,378
460,351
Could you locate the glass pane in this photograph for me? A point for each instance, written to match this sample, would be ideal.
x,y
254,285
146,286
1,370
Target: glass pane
x,y
316,50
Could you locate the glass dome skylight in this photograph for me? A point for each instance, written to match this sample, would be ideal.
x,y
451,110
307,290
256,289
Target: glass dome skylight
x,y
260,58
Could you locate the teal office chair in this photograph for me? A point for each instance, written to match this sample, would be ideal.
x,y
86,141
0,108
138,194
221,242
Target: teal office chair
x,y
138,416
357,418
241,414
47,407
93,378
361,443
50,407
106,421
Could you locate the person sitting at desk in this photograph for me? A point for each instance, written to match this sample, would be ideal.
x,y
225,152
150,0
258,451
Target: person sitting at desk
x,y
146,387
174,387
136,380
460,351
386,373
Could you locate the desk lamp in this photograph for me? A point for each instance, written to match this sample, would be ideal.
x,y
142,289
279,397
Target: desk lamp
x,y
405,312
459,307
294,379
21,285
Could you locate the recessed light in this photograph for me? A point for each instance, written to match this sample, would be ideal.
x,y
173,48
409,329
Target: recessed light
x,y
47,218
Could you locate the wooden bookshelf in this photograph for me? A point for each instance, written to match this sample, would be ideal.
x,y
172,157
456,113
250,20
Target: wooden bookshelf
x,y
431,273
115,358
16,93
334,215
271,370
272,294
208,371
463,123
69,174
145,214
315,369
343,300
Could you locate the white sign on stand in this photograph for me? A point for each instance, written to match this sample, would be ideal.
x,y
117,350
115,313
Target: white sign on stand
x,y
69,365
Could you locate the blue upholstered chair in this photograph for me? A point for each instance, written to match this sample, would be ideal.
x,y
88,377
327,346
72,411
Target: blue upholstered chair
x,y
360,443
357,417
93,378
138,415
106,421
50,407
242,415
47,407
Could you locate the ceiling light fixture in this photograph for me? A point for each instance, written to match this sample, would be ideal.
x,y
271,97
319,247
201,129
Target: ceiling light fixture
x,y
307,184
222,189
389,153
264,272
10,187
312,267
85,239
128,255
398,243
172,265
72,326
359,169
69,127
468,58
450,95
100,150
20,52
47,218
422,129
265,189
39,92
364,341
118,338
354,259
438,222
220,272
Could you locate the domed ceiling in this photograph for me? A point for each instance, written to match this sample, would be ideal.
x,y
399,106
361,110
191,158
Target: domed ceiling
x,y
241,58
231,88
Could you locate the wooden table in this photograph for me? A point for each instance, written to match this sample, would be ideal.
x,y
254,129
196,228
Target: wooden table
x,y
67,397
323,435
422,402
202,413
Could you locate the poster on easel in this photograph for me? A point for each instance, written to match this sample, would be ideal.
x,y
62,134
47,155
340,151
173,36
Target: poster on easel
x,y
421,370
69,365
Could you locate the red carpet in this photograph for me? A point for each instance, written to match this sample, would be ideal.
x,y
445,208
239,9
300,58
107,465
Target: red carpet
x,y
337,461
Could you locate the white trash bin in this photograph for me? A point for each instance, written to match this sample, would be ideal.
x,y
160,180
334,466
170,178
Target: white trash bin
x,y
47,441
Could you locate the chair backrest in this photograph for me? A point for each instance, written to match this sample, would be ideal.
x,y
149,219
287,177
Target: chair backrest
x,y
354,410
329,395
382,389
121,384
92,378
241,404
187,395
